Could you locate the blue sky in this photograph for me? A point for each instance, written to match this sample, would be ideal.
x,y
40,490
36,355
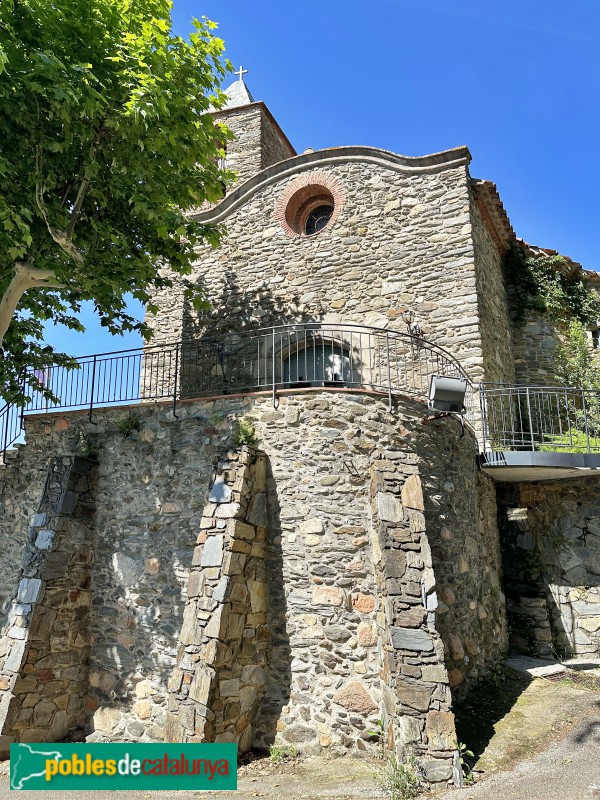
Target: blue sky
x,y
517,82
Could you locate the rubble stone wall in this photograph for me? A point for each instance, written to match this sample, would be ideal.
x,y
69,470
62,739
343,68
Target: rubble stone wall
x,y
219,682
414,681
244,154
22,481
462,529
494,317
551,543
45,643
534,346
379,554
274,146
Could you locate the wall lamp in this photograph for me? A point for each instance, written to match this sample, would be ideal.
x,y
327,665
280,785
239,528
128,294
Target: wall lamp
x,y
447,395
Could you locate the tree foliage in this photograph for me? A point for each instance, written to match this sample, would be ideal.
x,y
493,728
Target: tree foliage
x,y
105,145
577,364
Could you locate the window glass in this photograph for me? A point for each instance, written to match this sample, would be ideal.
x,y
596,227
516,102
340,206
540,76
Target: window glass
x,y
317,364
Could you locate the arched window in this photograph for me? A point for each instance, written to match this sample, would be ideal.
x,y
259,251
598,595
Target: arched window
x,y
317,364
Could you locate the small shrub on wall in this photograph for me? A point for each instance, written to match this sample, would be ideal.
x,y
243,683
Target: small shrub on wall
x,y
548,284
244,432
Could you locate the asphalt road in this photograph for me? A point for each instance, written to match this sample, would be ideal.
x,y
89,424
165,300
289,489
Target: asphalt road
x,y
568,770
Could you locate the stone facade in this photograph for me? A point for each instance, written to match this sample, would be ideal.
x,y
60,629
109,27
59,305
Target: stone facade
x,y
366,269
341,572
369,600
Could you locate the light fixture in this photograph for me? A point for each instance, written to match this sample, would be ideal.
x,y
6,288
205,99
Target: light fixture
x,y
447,394
408,317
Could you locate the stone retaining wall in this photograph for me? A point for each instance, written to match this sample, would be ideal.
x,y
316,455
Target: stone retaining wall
x,y
551,544
372,581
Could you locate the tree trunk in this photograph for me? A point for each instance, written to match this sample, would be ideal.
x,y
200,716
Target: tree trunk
x,y
26,277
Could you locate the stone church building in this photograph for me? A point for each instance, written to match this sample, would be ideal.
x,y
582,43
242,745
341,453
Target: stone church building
x,y
255,529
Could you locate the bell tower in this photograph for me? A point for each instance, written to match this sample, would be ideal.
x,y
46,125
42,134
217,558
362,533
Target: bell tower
x,y
259,141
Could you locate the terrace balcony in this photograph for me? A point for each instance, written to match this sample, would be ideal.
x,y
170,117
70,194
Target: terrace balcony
x,y
534,433
525,433
289,358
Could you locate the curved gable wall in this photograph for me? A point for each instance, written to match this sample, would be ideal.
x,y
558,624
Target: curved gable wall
x,y
403,239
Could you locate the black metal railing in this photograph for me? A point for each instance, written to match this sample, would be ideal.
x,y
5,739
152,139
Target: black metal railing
x,y
297,356
11,424
542,418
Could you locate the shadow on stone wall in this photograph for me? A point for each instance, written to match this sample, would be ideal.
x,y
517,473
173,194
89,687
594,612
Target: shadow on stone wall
x,y
551,555
530,632
461,516
236,308
279,671
218,366
131,641
45,645
143,537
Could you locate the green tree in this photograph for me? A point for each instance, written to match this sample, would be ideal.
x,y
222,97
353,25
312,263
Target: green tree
x,y
577,365
106,142
576,362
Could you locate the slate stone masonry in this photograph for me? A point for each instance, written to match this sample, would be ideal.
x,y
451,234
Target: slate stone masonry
x,y
402,240
551,548
45,646
219,682
363,537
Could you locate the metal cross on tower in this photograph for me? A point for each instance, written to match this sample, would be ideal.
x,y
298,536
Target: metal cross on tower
x,y
241,72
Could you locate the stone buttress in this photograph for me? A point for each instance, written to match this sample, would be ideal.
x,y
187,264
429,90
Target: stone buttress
x,y
220,679
45,647
295,594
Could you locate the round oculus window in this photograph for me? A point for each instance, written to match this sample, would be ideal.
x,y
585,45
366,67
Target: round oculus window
x,y
317,219
310,210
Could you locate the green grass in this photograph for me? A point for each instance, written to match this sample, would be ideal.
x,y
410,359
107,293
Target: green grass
x,y
575,442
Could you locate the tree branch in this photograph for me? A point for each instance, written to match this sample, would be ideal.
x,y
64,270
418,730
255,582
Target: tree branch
x,y
77,208
75,213
26,277
60,237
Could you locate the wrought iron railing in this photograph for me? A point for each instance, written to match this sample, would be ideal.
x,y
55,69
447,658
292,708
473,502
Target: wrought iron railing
x,y
297,356
543,418
10,427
